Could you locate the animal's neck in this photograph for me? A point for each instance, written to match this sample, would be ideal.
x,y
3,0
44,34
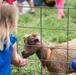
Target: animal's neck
x,y
40,54
43,55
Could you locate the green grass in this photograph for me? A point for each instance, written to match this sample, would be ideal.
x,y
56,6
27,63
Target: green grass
x,y
53,30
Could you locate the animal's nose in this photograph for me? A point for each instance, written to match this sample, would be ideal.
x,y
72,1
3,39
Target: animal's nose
x,y
23,52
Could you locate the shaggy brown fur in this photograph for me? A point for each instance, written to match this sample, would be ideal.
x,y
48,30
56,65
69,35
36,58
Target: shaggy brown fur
x,y
50,3
58,58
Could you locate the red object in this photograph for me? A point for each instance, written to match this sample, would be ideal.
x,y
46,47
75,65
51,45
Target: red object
x,y
10,1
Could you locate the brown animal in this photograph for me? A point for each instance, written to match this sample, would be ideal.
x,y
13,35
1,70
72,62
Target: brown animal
x,y
50,3
54,58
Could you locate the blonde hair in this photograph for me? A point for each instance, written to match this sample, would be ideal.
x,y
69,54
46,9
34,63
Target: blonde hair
x,y
8,22
0,7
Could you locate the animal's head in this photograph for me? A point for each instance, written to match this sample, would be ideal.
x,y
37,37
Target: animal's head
x,y
31,44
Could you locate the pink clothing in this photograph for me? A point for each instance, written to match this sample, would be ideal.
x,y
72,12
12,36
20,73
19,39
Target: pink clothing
x,y
60,6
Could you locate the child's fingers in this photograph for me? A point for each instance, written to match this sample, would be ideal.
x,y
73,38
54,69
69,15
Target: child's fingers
x,y
23,62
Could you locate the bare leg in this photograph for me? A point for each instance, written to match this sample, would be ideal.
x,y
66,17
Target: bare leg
x,y
60,6
72,74
30,2
20,8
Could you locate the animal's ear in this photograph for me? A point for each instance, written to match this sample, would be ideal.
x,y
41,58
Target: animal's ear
x,y
37,39
25,36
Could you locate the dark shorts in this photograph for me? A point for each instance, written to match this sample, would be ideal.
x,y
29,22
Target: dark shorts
x,y
20,1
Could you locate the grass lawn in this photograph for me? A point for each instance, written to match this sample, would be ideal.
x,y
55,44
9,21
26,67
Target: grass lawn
x,y
45,23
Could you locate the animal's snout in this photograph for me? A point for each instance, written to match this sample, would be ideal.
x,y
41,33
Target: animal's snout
x,y
23,52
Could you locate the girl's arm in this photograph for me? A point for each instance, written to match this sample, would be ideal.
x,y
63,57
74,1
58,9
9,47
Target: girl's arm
x,y
16,59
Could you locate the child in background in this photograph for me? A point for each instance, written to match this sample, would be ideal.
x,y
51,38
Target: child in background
x,y
8,46
20,4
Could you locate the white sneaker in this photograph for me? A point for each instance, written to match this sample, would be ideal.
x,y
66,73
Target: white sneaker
x,y
32,11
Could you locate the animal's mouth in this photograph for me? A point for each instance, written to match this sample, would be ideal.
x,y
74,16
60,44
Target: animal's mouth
x,y
25,55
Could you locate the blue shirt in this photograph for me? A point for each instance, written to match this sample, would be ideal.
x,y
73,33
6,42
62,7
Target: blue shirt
x,y
6,57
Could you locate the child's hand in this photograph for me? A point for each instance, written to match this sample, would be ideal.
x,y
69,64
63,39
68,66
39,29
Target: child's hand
x,y
23,62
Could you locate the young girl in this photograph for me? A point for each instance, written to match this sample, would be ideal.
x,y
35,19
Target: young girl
x,y
8,53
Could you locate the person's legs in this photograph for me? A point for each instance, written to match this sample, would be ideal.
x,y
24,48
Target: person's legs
x,y
72,74
60,6
20,4
31,3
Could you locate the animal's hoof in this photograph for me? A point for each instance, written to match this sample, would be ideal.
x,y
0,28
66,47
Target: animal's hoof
x,y
43,73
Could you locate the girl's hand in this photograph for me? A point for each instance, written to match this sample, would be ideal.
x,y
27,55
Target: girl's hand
x,y
23,62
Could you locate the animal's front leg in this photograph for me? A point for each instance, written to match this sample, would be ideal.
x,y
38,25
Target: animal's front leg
x,y
43,70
